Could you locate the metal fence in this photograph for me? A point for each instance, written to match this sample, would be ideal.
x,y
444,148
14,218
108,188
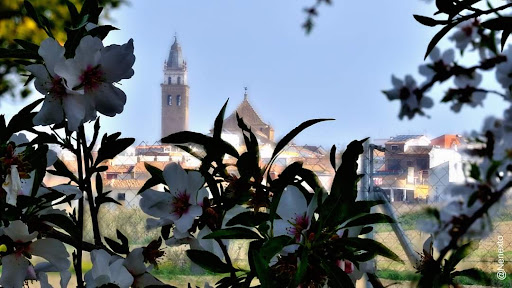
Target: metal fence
x,y
411,177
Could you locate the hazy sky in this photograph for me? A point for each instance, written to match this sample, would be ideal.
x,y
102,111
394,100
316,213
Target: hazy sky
x,y
338,71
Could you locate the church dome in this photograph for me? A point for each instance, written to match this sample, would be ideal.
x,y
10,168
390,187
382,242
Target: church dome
x,y
175,59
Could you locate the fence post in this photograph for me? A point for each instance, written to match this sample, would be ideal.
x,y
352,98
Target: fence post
x,y
364,189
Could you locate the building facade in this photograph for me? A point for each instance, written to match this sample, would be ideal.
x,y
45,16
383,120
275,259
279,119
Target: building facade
x,y
175,92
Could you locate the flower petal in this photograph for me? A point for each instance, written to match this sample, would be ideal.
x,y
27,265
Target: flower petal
x,y
156,203
281,227
292,203
175,177
88,52
134,262
185,221
74,108
109,100
18,232
120,276
43,81
117,60
71,71
14,269
52,53
51,112
195,181
52,250
146,280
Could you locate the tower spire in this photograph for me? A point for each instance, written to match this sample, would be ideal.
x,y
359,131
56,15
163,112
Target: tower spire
x,y
245,93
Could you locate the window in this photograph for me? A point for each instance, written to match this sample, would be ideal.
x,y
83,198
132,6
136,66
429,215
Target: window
x,y
178,100
409,163
394,165
422,164
169,81
394,147
169,100
111,176
179,80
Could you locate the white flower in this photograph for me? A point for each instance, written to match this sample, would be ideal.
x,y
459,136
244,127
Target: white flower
x,y
439,63
296,216
12,185
107,269
179,205
467,82
134,263
405,92
504,70
44,267
60,103
14,265
93,70
466,33
451,215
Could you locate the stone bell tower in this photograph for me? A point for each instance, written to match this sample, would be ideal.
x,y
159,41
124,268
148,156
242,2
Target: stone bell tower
x,y
175,92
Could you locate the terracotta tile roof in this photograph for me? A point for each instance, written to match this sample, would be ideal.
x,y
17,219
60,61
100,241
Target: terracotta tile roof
x,y
119,168
139,167
129,184
250,117
402,139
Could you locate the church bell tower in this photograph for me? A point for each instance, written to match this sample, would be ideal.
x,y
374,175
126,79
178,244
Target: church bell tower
x,y
175,92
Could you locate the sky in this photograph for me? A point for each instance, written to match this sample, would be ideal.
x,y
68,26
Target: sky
x,y
338,71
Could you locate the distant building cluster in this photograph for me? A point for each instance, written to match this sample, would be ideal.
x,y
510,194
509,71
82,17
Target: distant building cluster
x,y
415,168
407,168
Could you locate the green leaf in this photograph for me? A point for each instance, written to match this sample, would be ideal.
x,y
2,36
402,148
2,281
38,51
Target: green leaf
x,y
63,222
211,145
31,12
149,183
208,261
99,183
27,45
332,157
274,246
344,187
289,137
62,170
504,37
233,233
91,8
497,24
23,120
374,280
438,37
116,246
101,32
111,148
475,172
217,126
369,219
337,277
427,21
261,267
73,12
366,230
369,245
248,219
461,253
477,275
37,159
302,267
155,172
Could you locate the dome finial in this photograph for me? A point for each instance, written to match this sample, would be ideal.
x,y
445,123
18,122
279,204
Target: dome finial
x,y
245,94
